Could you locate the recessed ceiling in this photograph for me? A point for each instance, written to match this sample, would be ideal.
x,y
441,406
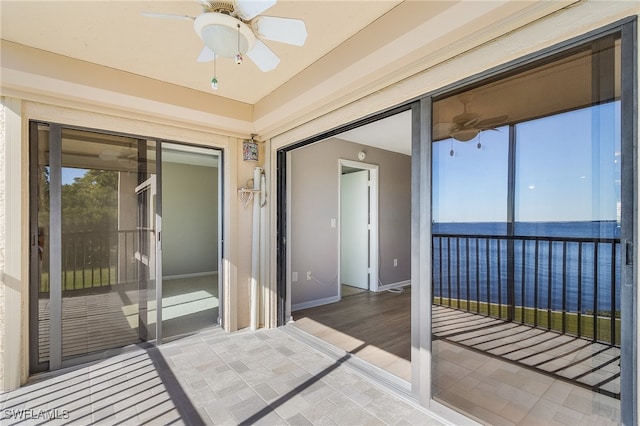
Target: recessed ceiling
x,y
391,133
115,34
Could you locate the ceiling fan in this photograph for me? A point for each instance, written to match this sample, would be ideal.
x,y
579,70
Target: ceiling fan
x,y
233,28
467,125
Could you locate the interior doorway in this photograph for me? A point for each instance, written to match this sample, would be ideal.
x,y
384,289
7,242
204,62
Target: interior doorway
x,y
358,226
314,216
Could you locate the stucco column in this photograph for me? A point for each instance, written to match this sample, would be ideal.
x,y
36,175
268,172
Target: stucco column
x,y
13,175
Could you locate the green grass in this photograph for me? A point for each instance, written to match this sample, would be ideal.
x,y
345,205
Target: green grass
x,y
74,280
527,316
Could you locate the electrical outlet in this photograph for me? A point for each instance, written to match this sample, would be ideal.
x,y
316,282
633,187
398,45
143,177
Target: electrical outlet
x,y
308,275
395,262
294,276
333,223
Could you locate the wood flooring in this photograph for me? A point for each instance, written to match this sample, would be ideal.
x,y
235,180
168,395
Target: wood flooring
x,y
374,326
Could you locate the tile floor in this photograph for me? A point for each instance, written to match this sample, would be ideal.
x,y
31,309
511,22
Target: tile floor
x,y
501,393
554,354
265,377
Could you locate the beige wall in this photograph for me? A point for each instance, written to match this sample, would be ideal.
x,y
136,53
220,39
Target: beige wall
x,y
13,252
314,202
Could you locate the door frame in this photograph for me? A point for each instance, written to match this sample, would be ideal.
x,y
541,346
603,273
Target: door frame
x,y
153,333
421,224
218,153
373,220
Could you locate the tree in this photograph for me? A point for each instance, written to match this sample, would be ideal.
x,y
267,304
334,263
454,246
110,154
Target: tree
x,y
90,203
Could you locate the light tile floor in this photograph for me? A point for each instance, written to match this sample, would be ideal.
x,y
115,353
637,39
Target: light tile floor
x,y
265,377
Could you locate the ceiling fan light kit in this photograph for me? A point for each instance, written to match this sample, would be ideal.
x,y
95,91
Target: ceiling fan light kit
x,y
467,125
228,29
465,135
224,35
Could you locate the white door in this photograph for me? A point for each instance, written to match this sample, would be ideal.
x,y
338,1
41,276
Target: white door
x,y
354,229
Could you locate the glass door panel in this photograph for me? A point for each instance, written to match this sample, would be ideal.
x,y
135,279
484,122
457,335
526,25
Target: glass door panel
x,y
147,229
106,249
95,243
527,300
190,238
40,251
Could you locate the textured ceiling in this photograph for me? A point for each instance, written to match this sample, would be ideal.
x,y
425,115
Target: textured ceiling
x,y
115,34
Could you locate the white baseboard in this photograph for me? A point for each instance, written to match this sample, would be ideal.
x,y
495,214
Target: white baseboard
x,y
194,275
314,303
394,285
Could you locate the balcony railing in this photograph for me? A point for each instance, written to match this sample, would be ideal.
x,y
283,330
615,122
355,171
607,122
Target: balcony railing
x,y
96,259
571,285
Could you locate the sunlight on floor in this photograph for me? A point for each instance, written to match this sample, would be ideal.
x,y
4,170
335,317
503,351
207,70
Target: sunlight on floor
x,y
368,352
174,307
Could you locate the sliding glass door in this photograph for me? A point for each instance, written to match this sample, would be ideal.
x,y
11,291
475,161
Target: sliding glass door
x,y
527,238
111,217
93,243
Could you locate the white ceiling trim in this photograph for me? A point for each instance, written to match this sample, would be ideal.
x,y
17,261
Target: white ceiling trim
x,y
32,87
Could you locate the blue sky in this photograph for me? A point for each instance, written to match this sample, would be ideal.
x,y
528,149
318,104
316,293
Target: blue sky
x,y
69,174
567,167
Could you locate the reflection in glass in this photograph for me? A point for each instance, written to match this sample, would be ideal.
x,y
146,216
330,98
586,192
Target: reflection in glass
x,y
43,183
106,251
474,172
103,240
576,200
526,243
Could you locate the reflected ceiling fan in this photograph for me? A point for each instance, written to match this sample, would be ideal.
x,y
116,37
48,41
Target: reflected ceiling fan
x,y
467,125
231,29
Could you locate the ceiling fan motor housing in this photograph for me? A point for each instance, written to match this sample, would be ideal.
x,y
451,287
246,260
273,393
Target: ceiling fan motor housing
x,y
224,34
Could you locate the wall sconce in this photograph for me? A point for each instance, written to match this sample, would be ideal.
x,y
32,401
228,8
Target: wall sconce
x,y
250,150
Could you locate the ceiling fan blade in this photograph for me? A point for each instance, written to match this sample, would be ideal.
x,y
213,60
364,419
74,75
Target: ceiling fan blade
x,y
249,9
492,122
167,16
263,57
206,55
284,30
205,3
443,127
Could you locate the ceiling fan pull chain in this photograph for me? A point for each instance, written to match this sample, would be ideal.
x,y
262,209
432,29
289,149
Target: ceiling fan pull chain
x,y
238,55
214,80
